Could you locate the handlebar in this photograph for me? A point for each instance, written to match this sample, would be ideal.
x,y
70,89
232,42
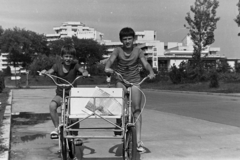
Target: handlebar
x,y
127,82
60,85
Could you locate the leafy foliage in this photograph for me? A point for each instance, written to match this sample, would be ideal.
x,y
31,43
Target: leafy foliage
x,y
214,82
175,75
2,82
55,46
22,45
237,19
223,66
89,51
201,29
186,73
229,77
42,62
7,71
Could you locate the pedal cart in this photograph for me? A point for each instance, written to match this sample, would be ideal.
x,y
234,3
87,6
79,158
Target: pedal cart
x,y
96,103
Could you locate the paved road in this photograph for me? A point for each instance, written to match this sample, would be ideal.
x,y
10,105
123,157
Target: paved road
x,y
176,126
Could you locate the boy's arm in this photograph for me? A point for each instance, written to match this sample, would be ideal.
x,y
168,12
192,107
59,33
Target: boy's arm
x,y
83,71
50,71
109,63
148,67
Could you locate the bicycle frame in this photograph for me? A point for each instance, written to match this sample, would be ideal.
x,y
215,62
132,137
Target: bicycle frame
x,y
129,98
130,134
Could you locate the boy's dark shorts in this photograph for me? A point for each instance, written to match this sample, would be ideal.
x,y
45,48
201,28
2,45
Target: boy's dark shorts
x,y
58,99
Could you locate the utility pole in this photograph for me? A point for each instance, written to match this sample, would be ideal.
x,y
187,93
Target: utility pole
x,y
27,73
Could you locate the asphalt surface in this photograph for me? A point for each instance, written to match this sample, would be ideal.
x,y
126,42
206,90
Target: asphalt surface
x,y
168,133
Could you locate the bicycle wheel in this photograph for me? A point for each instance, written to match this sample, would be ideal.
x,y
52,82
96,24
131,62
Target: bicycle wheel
x,y
130,144
71,148
63,144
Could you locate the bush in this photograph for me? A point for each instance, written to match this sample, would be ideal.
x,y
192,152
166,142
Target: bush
x,y
187,73
213,79
229,77
7,71
42,62
97,70
2,82
175,75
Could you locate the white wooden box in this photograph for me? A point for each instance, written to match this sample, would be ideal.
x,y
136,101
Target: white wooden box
x,y
80,98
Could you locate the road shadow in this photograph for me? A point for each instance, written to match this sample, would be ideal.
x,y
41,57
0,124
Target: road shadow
x,y
117,150
30,118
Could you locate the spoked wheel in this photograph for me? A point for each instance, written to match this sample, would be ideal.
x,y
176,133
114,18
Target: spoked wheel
x,y
63,144
130,144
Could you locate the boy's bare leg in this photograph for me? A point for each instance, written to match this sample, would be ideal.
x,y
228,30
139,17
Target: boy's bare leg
x,y
54,115
136,101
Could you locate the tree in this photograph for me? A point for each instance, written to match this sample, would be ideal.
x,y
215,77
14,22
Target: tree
x,y
89,51
42,62
1,30
55,46
237,19
201,29
223,66
22,45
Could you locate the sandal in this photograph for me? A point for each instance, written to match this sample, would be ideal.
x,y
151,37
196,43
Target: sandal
x,y
54,134
140,147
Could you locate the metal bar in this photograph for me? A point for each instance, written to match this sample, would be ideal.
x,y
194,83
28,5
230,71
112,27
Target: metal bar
x,y
92,128
95,137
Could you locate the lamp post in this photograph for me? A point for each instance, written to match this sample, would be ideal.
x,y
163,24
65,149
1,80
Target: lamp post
x,y
27,73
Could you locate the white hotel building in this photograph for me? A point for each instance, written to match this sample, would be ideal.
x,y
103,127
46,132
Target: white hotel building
x,y
78,29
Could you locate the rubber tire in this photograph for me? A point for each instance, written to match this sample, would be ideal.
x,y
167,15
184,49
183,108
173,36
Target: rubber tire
x,y
130,144
63,145
71,148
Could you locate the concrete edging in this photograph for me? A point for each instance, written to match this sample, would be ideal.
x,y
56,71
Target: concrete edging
x,y
192,92
6,128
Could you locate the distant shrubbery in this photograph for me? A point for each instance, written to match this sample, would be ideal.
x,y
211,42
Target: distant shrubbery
x,y
185,73
2,82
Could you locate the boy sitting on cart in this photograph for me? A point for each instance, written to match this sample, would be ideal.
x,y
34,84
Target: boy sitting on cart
x,y
68,70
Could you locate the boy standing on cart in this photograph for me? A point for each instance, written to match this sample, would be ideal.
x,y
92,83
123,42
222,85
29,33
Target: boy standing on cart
x,y
128,58
68,70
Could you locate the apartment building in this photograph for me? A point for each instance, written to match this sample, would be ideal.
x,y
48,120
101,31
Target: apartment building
x,y
4,64
77,29
3,61
176,52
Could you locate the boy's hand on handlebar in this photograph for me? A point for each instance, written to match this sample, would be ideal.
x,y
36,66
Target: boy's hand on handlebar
x,y
109,70
42,72
151,75
85,74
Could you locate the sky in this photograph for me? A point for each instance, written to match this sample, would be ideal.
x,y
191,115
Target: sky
x,y
166,17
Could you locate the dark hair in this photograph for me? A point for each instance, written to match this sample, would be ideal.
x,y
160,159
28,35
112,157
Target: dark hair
x,y
68,49
125,32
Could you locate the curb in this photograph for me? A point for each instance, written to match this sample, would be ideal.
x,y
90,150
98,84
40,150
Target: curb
x,y
6,129
192,92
